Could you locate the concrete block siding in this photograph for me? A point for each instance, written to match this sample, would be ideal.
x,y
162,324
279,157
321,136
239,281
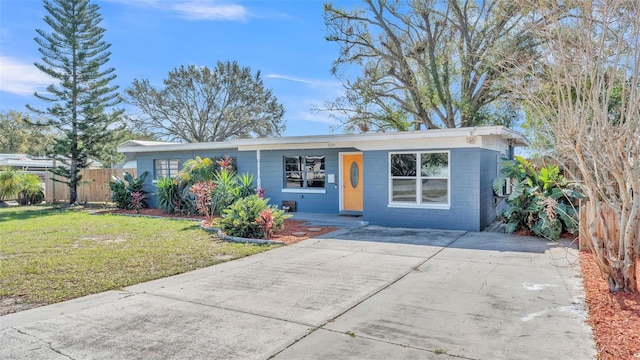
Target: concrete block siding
x,y
472,171
489,161
272,174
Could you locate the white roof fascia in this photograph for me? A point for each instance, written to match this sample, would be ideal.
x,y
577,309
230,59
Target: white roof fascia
x,y
132,143
177,147
435,138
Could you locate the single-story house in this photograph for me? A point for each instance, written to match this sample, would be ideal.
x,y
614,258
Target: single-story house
x,y
37,165
440,178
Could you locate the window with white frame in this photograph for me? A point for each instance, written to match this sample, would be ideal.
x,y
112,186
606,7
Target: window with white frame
x,y
165,167
419,178
304,172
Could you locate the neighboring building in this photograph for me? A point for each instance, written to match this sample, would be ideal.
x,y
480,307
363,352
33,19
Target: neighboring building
x,y
130,160
34,164
438,178
26,163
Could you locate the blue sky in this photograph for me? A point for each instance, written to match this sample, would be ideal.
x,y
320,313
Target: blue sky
x,y
283,39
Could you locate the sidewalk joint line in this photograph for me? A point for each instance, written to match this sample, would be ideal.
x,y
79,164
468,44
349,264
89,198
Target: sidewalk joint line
x,y
225,308
375,292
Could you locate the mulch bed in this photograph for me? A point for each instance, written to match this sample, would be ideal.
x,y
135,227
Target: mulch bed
x,y
285,235
615,317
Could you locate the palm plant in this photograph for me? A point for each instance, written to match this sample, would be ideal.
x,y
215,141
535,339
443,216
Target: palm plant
x,y
30,190
198,169
10,182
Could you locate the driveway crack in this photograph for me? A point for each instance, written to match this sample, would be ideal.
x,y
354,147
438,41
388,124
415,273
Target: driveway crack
x,y
47,343
405,345
375,292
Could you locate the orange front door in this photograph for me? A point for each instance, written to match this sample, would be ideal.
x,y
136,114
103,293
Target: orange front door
x,y
352,190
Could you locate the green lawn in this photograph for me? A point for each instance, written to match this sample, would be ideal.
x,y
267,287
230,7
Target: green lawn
x,y
49,254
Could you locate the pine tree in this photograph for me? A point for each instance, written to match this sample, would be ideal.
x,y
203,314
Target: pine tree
x,y
75,55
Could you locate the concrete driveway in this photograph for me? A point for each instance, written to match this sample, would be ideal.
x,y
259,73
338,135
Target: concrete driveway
x,y
368,293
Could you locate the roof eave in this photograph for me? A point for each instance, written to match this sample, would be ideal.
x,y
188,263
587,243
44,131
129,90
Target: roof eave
x,y
327,141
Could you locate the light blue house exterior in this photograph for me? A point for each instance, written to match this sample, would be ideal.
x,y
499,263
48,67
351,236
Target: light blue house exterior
x,y
439,178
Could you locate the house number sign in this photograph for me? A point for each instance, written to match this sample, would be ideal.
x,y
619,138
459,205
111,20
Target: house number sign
x,y
354,174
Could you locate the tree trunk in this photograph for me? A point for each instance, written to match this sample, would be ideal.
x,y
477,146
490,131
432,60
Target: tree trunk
x,y
623,276
73,183
613,249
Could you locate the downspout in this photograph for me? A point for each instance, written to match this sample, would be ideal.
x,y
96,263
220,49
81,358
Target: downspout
x,y
259,181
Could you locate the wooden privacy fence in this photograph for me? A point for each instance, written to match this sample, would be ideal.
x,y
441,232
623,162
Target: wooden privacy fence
x,y
610,218
94,186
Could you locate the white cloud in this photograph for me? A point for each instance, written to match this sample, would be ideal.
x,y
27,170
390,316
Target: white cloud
x,y
19,77
289,78
135,2
320,83
195,9
205,10
321,117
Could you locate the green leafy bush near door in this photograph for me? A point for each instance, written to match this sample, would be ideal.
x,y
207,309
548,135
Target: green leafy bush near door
x,y
542,201
251,217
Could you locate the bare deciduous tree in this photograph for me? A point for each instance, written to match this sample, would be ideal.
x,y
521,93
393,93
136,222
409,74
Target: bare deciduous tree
x,y
426,64
588,97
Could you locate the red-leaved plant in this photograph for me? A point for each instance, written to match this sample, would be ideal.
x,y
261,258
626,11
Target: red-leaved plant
x,y
137,201
265,220
225,164
202,193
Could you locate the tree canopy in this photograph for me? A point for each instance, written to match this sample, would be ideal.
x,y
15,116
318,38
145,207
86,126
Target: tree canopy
x,y
427,64
75,55
197,104
19,136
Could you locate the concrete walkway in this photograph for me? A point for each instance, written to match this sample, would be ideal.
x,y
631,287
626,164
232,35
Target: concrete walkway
x,y
440,295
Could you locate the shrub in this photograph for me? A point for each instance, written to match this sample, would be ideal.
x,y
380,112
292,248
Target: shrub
x,y
225,192
202,193
246,185
121,190
174,196
166,193
198,169
137,201
542,201
30,190
240,219
266,222
25,187
9,183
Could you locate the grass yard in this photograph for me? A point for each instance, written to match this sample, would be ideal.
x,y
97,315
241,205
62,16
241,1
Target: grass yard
x,y
50,254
